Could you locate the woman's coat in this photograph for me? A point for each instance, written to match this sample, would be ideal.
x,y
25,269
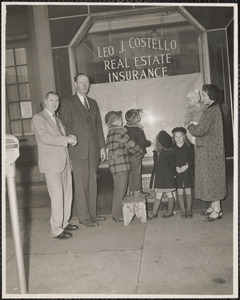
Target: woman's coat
x,y
210,171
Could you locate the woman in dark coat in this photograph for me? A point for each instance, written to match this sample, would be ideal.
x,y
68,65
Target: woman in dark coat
x,y
184,157
210,172
163,173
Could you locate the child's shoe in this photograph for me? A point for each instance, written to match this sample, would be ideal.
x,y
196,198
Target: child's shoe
x,y
139,194
152,216
168,215
189,214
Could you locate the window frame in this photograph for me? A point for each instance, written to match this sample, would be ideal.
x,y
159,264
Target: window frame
x,y
86,26
17,44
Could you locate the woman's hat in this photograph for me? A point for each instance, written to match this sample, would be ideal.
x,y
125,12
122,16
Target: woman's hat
x,y
111,116
165,139
179,129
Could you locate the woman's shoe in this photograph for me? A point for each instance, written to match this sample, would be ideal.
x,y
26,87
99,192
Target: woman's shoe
x,y
211,219
207,212
117,219
152,216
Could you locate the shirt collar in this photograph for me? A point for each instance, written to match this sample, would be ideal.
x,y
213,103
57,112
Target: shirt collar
x,y
50,113
81,97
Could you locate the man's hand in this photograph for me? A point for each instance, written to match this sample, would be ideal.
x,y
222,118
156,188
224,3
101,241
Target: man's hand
x,y
103,154
72,140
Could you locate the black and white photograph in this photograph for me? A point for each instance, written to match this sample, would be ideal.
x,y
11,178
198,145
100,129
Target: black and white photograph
x,y
119,150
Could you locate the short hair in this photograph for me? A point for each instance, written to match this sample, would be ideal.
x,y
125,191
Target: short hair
x,y
112,116
131,114
213,92
79,74
52,93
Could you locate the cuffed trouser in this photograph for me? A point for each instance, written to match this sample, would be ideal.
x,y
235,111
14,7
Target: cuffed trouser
x,y
119,192
59,186
85,183
135,178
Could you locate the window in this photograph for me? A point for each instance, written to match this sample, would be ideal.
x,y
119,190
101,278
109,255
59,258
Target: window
x,y
147,59
141,46
19,104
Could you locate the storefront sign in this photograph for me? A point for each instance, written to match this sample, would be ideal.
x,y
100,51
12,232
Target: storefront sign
x,y
122,63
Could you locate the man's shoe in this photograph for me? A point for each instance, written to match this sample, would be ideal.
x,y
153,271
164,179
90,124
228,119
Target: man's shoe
x,y
98,218
88,223
64,235
117,219
71,227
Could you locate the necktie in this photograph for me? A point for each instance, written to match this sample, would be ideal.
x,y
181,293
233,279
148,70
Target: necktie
x,y
85,103
58,123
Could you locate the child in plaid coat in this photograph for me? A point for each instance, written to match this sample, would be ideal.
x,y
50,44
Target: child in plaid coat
x,y
119,146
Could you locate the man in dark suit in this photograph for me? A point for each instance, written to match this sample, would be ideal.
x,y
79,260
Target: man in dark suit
x,y
54,162
81,117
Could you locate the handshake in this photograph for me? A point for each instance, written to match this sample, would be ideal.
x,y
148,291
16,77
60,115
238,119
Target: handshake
x,y
72,140
182,169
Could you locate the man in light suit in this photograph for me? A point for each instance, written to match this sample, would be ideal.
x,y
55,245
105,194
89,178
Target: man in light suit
x,y
81,117
54,162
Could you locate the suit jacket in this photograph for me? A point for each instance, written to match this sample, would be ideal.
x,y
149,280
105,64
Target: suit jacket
x,y
74,119
52,146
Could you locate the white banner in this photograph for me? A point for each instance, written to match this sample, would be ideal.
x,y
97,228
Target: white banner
x,y
163,101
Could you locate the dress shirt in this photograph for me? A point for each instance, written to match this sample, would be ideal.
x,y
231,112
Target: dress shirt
x,y
51,115
82,99
54,120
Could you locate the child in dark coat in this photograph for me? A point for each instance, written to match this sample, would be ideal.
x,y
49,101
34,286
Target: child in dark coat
x,y
184,157
163,174
119,146
136,133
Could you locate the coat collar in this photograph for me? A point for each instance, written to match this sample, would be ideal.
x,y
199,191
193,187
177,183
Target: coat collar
x,y
48,119
213,104
112,127
78,103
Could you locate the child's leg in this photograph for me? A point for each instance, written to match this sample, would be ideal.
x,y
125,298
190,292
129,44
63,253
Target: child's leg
x,y
188,192
181,202
175,195
154,213
135,179
119,192
170,205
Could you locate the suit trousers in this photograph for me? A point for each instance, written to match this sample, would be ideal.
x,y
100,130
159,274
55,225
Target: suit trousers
x,y
119,191
85,183
135,176
59,186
